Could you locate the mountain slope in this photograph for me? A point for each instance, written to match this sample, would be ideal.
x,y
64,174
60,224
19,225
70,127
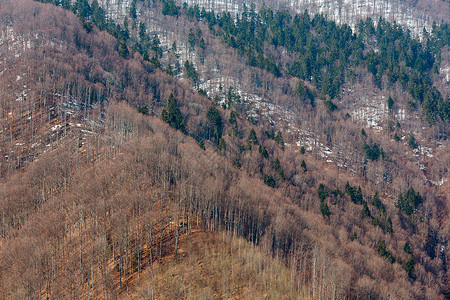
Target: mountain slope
x,y
112,189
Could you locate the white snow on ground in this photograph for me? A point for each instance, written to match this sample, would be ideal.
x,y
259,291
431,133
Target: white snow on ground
x,y
56,127
445,71
422,151
371,110
440,182
343,11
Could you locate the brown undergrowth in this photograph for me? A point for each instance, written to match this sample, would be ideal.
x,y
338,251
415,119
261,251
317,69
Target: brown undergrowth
x,y
216,266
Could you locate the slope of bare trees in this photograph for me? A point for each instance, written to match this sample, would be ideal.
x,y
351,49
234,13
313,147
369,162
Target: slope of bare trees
x,y
112,193
90,222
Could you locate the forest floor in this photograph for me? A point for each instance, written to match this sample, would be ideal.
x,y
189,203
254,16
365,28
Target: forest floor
x,y
214,266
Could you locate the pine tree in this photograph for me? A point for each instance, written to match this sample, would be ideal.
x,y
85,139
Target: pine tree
x,y
407,248
390,103
363,132
388,226
143,109
133,13
191,72
279,139
269,180
409,267
304,93
409,202
123,49
303,166
170,8
263,151
322,192
324,209
215,123
171,114
233,117
365,212
252,139
412,141
98,16
349,190
378,204
221,145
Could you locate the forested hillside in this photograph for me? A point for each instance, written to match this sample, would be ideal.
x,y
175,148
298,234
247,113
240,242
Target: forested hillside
x,y
173,152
